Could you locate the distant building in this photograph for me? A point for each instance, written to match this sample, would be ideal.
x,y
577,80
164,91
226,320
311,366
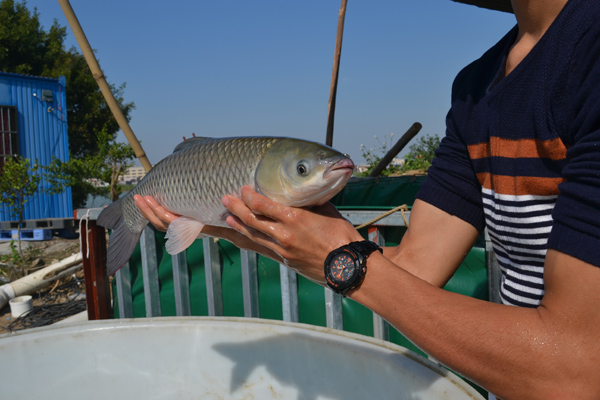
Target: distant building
x,y
399,162
132,176
97,182
361,168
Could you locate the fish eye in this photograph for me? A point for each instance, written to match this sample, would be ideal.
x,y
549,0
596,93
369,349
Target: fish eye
x,y
302,168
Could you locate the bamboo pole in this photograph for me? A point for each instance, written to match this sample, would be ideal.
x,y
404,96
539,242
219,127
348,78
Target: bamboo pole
x,y
334,77
90,58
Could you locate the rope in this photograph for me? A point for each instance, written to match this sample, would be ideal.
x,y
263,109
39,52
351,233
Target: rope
x,y
87,232
401,208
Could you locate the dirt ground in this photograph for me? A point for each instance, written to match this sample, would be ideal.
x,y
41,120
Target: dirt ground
x,y
49,250
39,254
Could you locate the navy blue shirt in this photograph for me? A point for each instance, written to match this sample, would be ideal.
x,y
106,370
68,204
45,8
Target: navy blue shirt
x,y
521,154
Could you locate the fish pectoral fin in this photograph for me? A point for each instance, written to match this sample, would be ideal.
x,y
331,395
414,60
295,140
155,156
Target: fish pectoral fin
x,y
181,234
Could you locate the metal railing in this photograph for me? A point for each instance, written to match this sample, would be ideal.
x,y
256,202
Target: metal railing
x,y
99,294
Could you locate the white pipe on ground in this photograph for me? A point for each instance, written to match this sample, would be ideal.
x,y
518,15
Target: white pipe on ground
x,y
39,279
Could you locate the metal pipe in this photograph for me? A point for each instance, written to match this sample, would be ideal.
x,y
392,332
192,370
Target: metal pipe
x,y
336,70
90,58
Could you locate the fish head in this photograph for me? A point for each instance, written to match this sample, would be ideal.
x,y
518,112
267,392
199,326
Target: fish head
x,y
300,173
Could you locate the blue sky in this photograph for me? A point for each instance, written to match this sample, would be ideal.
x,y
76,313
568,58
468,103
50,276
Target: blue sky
x,y
263,67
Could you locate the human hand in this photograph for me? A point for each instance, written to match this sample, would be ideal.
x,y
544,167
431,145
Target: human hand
x,y
161,218
301,237
156,214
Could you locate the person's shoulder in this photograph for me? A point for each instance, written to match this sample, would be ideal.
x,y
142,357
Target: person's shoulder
x,y
580,40
582,14
578,23
478,75
589,24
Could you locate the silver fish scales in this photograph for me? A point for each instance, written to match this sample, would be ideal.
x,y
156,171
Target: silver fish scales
x,y
192,181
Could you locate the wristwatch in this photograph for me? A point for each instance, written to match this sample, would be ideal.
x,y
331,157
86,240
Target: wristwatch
x,y
345,267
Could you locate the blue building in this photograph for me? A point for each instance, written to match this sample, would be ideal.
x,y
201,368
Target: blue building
x,y
33,124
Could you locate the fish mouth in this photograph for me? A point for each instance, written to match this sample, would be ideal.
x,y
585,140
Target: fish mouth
x,y
337,172
345,165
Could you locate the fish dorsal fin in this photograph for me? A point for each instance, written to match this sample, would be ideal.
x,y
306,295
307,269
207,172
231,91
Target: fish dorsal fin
x,y
189,143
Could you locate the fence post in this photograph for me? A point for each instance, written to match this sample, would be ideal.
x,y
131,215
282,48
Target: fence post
x,y
381,328
97,287
494,273
123,280
333,309
250,283
289,294
212,270
181,284
150,273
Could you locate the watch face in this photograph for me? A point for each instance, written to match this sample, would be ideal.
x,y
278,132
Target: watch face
x,y
343,269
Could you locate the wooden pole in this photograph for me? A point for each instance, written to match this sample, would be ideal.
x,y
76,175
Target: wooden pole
x,y
90,58
400,144
334,77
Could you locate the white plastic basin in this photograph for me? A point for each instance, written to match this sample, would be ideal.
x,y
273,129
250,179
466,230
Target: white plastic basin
x,y
215,358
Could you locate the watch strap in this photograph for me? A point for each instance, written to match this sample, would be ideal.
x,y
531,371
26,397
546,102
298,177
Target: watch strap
x,y
364,247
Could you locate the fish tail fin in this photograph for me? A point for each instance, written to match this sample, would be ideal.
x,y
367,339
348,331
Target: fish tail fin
x,y
122,241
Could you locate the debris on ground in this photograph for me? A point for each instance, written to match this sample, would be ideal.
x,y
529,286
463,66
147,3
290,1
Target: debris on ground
x,y
51,304
64,299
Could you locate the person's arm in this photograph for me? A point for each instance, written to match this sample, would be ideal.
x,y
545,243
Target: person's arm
x,y
435,264
548,352
413,257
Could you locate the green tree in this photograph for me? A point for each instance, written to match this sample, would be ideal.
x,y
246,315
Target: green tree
x,y
372,157
421,153
114,158
26,48
19,180
74,173
108,165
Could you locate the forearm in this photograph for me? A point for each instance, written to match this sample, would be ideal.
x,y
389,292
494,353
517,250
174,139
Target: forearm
x,y
549,352
447,242
513,352
420,267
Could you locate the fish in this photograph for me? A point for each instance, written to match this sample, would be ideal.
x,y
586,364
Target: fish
x,y
193,179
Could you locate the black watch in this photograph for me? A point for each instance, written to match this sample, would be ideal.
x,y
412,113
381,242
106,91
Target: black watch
x,y
345,267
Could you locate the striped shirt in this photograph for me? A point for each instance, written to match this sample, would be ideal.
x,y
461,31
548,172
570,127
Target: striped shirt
x,y
518,212
521,154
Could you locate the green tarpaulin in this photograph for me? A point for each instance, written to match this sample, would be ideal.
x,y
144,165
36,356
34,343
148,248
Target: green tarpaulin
x,y
366,193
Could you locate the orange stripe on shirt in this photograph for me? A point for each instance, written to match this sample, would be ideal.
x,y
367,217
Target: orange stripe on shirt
x,y
519,185
553,149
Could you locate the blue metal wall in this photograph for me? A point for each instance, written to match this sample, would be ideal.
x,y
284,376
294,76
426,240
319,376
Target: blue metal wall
x,y
42,127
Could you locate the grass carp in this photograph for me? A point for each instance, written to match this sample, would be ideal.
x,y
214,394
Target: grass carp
x,y
193,180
